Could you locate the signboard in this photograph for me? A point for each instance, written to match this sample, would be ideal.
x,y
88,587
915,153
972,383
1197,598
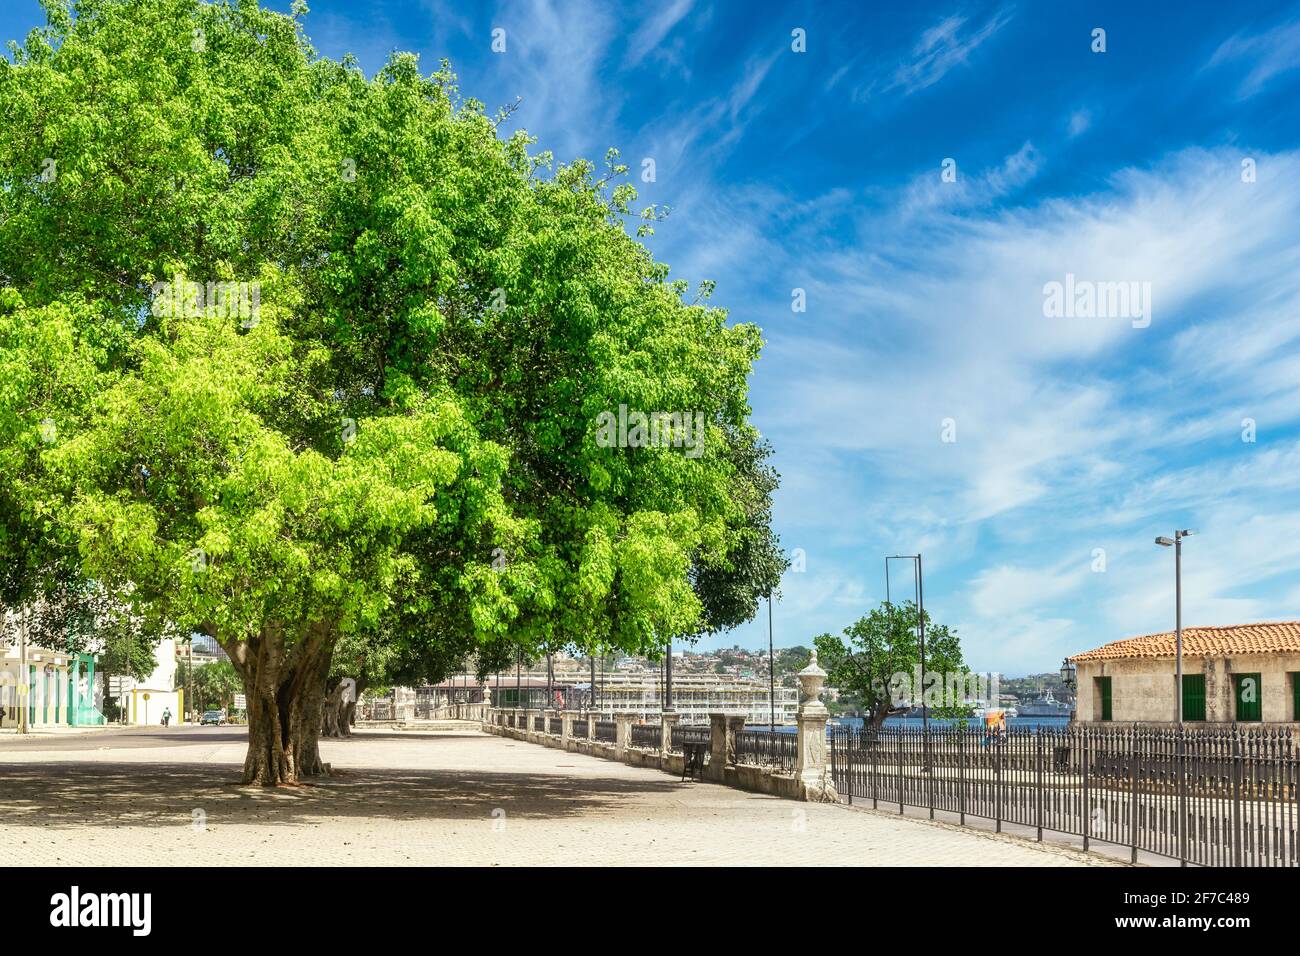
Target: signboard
x,y
240,703
117,686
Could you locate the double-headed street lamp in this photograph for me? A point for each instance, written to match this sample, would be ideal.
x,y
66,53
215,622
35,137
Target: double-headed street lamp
x,y
1177,544
920,618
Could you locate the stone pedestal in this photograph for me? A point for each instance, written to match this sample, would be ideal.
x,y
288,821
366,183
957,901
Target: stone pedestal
x,y
811,766
670,719
623,732
716,768
566,727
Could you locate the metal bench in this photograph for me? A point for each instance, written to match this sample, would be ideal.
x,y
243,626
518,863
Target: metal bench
x,y
693,755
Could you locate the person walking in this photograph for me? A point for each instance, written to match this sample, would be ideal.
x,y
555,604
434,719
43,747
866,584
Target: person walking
x,y
167,715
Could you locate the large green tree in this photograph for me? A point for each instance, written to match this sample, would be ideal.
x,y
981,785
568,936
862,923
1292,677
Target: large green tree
x,y
400,443
877,661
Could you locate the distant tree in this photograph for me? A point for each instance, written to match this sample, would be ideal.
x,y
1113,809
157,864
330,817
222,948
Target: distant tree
x,y
792,659
881,649
215,685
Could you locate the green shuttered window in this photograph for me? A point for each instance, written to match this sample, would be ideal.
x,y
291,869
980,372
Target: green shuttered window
x,y
1104,684
1193,697
1247,687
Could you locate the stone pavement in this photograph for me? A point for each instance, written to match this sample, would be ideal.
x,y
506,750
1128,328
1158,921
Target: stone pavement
x,y
171,798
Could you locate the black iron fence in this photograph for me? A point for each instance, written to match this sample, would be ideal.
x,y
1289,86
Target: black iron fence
x,y
579,728
767,749
606,731
646,735
554,725
539,723
1215,797
689,735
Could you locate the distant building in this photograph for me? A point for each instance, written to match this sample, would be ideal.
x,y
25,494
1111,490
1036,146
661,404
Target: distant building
x,y
57,688
640,692
144,701
695,696
1245,673
201,649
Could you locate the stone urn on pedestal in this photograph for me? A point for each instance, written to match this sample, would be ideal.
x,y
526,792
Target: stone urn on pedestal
x,y
812,767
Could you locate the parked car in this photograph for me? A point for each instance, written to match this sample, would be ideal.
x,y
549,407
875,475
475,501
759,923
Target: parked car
x,y
214,717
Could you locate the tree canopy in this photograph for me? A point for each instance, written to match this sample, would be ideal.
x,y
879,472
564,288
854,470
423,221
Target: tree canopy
x,y
877,661
308,357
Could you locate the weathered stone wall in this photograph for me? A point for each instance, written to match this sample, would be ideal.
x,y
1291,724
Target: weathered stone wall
x,y
1144,690
741,776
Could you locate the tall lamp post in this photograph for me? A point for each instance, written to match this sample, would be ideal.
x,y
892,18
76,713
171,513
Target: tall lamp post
x,y
1177,544
771,667
920,617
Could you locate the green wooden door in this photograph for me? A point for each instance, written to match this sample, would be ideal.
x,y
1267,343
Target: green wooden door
x,y
1193,697
1105,698
1248,695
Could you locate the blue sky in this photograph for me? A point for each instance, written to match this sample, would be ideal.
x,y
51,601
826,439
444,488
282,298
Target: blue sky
x,y
821,170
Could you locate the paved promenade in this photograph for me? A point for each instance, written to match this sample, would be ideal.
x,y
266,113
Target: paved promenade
x,y
154,797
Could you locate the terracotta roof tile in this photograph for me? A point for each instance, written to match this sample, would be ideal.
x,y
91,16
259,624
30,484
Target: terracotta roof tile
x,y
1266,638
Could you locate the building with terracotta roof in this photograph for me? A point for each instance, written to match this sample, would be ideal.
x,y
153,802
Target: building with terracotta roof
x,y
1243,673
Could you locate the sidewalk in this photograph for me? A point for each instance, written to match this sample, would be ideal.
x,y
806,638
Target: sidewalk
x,y
452,798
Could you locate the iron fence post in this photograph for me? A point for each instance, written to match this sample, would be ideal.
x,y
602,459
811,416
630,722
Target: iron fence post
x,y
1182,798
1085,816
1042,782
1132,795
961,771
1236,799
900,770
929,771
997,783
835,768
873,741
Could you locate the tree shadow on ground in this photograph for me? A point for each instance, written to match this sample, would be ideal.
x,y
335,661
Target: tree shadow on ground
x,y
60,794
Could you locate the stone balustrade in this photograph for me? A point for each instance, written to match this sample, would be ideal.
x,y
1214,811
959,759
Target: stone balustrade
x,y
810,778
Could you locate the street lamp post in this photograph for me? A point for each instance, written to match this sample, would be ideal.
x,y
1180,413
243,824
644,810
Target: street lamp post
x,y
920,617
771,669
1177,544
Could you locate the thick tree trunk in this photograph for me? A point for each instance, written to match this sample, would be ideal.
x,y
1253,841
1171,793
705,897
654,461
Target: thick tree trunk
x,y
338,708
283,693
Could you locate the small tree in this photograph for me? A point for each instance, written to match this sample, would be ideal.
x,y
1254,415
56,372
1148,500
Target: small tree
x,y
876,660
215,686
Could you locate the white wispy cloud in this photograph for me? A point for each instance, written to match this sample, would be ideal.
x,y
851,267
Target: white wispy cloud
x,y
553,60
1070,433
947,44
652,32
1269,53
